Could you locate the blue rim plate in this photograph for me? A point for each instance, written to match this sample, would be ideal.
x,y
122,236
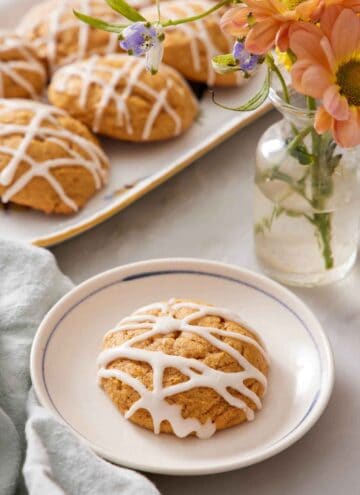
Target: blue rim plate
x,y
63,364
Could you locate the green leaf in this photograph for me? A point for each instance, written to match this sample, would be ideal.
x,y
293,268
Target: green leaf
x,y
224,64
225,59
266,223
126,10
301,155
99,24
293,213
254,102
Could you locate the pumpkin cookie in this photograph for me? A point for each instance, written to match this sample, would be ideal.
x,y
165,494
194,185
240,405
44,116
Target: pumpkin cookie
x,y
60,38
190,47
22,75
116,96
48,160
184,368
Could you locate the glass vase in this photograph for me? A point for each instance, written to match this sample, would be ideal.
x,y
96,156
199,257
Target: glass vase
x,y
306,212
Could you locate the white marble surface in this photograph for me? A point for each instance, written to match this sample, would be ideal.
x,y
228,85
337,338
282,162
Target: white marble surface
x,y
205,212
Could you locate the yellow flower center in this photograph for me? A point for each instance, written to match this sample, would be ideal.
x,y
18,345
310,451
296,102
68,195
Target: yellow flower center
x,y
284,58
291,4
348,79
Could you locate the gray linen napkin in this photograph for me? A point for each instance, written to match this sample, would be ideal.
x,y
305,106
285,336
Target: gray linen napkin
x,y
56,462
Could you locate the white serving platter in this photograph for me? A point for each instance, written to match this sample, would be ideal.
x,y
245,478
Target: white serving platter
x,y
136,168
69,340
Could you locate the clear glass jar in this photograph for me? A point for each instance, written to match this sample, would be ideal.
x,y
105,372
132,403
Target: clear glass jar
x,y
306,215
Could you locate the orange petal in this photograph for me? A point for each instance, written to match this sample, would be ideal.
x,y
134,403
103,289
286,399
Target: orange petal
x,y
345,34
305,42
328,19
347,132
328,52
310,9
336,104
323,120
297,71
265,7
282,37
352,4
315,81
261,37
235,21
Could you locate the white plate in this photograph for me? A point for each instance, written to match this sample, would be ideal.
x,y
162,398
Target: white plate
x,y
136,169
63,364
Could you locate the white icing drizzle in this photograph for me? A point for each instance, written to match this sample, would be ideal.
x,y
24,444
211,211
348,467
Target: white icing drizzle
x,y
197,32
57,25
92,71
44,126
13,68
198,373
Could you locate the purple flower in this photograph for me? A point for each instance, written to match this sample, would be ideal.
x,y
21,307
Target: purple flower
x,y
153,58
144,39
247,61
139,38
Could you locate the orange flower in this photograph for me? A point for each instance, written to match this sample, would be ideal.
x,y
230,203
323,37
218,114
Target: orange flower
x,y
347,4
328,69
266,23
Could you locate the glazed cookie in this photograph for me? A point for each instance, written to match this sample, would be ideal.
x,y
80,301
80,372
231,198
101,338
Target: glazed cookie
x,y
190,47
48,160
116,96
60,38
184,368
22,75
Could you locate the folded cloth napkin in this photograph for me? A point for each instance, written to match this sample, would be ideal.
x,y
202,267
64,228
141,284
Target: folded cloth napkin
x,y
55,461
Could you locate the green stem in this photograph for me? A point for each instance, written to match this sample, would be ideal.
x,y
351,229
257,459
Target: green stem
x,y
118,28
311,103
158,10
320,189
276,174
196,17
271,62
320,172
299,138
322,222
